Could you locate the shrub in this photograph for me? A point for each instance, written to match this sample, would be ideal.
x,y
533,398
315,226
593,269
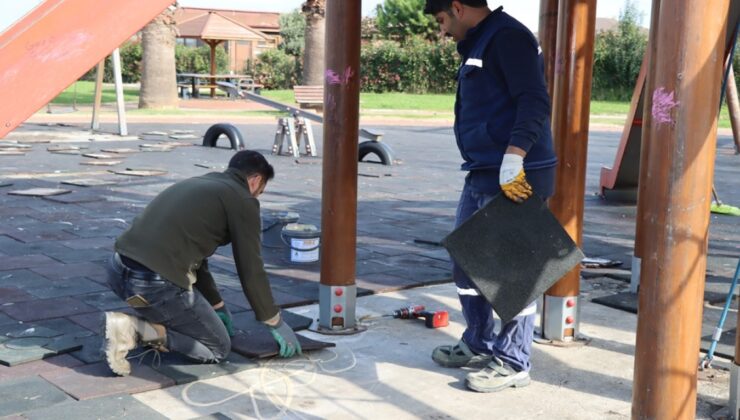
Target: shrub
x,y
275,69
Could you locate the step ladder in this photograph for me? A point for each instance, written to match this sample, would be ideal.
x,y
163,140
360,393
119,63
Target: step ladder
x,y
292,132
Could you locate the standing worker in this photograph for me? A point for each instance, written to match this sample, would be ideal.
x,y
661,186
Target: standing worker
x,y
502,127
160,269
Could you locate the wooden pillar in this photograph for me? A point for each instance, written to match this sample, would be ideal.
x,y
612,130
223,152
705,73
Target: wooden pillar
x,y
733,106
97,102
548,34
337,291
571,105
675,194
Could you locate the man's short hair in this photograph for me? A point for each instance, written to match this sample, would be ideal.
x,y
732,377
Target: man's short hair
x,y
435,6
252,163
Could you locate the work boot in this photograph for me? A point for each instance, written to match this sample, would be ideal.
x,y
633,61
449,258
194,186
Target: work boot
x,y
496,376
124,333
459,355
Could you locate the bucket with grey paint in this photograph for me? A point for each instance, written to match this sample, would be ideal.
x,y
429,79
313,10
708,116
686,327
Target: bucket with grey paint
x,y
272,226
303,242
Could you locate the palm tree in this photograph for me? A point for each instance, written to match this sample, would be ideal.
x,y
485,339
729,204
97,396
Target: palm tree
x,y
313,54
158,72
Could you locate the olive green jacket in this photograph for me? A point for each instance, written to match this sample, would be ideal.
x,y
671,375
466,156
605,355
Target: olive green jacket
x,y
185,224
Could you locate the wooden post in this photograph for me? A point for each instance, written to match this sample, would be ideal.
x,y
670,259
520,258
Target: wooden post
x,y
120,103
337,291
733,106
95,125
548,34
571,104
687,57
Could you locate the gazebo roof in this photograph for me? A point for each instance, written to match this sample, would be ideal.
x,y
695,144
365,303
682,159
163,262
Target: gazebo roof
x,y
214,26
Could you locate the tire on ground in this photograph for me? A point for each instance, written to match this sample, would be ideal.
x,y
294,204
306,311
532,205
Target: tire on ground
x,y
381,150
232,133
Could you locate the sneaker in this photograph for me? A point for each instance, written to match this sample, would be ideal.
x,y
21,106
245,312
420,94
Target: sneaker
x,y
120,338
458,355
496,376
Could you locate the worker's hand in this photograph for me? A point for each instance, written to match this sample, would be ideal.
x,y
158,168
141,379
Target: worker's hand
x,y
513,182
225,315
286,339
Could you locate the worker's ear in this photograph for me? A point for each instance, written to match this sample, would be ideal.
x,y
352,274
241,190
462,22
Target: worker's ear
x,y
457,9
256,185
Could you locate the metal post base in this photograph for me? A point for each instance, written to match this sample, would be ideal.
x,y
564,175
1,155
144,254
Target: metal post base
x,y
635,277
734,403
337,310
560,318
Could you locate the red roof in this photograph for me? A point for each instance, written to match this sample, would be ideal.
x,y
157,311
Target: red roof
x,y
263,21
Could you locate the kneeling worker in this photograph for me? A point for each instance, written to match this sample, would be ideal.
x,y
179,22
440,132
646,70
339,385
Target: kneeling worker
x,y
160,269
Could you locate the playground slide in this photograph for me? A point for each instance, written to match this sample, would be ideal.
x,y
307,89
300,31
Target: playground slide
x,y
56,43
619,182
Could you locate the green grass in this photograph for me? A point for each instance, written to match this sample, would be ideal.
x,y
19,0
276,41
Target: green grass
x,y
85,94
391,105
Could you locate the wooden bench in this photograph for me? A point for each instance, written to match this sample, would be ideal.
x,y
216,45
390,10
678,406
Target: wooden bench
x,y
309,96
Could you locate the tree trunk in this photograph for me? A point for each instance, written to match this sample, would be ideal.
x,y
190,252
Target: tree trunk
x,y
313,55
158,72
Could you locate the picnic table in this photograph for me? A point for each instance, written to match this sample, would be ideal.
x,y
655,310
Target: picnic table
x,y
195,81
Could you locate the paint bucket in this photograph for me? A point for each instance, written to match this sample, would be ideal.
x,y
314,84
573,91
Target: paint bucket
x,y
302,242
272,224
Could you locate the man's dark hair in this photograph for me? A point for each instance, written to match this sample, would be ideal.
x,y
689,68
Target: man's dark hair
x,y
252,163
435,6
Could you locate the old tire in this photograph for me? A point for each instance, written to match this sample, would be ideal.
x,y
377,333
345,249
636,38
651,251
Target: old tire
x,y
232,133
381,150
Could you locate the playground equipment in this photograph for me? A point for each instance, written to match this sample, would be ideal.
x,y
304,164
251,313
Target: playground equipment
x,y
296,129
43,53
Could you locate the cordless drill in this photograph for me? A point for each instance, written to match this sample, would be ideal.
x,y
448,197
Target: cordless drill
x,y
435,319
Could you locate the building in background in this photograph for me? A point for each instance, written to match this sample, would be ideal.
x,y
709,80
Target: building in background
x,y
255,32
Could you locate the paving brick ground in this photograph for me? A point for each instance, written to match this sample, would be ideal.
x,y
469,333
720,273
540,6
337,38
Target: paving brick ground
x,y
53,250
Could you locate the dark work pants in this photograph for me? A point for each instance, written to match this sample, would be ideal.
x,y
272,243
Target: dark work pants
x,y
193,328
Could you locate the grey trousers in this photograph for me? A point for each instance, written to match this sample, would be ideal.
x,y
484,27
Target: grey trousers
x,y
193,328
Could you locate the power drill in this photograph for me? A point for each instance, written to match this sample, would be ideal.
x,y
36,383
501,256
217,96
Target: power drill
x,y
435,319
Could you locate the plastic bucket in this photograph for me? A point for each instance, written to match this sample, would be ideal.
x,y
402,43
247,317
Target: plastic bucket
x,y
303,242
273,224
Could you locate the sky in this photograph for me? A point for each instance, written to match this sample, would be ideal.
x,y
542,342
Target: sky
x,y
526,11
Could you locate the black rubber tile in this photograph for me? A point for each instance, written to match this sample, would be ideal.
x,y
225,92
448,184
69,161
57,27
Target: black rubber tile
x,y
625,301
246,322
20,395
513,252
47,309
113,407
260,344
182,370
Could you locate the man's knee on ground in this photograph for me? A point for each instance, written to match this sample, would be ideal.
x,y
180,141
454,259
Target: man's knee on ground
x,y
221,352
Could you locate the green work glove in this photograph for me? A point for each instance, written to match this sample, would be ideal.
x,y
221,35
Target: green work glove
x,y
225,316
286,339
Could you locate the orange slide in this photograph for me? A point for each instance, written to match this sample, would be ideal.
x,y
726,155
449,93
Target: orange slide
x,y
56,43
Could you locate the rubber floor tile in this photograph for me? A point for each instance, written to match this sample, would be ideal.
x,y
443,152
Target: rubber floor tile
x,y
47,309
71,287
246,322
183,371
22,279
19,395
63,361
97,380
113,407
76,198
513,263
90,270
24,261
260,344
13,295
105,301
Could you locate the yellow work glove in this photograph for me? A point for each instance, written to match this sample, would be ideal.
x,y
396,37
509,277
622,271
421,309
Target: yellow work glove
x,y
513,182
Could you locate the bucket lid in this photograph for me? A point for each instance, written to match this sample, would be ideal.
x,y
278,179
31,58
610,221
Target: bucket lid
x,y
284,216
301,230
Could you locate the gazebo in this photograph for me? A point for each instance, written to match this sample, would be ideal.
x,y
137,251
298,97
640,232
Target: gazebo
x,y
213,28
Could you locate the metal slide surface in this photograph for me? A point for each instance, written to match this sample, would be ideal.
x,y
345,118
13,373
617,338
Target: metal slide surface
x,y
56,43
